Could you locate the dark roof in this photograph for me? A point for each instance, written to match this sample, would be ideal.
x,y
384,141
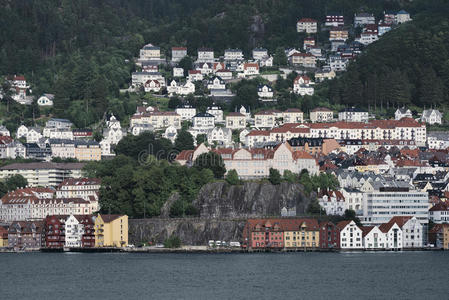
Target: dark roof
x,y
110,218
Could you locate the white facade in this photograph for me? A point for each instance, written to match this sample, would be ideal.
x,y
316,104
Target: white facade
x,y
216,84
351,236
220,136
233,54
375,239
205,55
353,115
45,100
403,113
203,121
73,232
178,53
412,234
178,72
259,53
265,91
381,204
306,25
431,116
321,115
333,203
217,112
186,112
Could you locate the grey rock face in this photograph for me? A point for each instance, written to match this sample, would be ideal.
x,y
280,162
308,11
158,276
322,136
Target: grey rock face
x,y
223,211
253,199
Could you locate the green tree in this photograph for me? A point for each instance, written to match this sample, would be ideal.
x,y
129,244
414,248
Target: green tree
x,y
280,58
351,215
274,177
172,242
15,181
184,141
201,138
212,161
232,177
174,102
290,177
186,63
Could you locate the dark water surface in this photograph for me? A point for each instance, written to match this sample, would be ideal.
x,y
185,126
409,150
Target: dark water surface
x,y
380,275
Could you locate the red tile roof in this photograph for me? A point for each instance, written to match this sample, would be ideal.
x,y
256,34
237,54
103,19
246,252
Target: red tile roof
x,y
307,20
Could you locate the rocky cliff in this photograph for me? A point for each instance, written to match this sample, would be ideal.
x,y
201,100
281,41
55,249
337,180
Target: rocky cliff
x,y
223,209
252,199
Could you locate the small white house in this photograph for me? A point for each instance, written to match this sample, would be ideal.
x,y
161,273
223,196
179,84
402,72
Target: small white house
x,y
431,116
73,232
216,83
178,72
171,133
333,203
219,135
402,113
46,100
265,91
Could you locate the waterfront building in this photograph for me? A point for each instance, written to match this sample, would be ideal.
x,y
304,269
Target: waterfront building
x,y
351,236
301,233
393,234
111,230
26,234
329,236
374,238
3,236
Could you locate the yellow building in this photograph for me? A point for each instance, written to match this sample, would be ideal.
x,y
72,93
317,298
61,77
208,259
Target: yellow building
x,y
87,150
302,233
446,237
111,231
3,237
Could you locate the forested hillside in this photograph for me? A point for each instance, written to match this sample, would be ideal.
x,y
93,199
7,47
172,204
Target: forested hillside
x,y
81,50
409,65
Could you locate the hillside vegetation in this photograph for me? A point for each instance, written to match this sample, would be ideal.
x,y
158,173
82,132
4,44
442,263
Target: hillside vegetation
x,y
82,50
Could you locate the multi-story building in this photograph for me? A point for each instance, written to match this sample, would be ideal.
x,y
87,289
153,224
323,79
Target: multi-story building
x,y
217,112
338,34
186,112
393,234
265,92
79,231
412,231
3,236
362,19
111,231
150,52
307,25
158,119
233,54
353,115
235,120
62,148
383,200
334,20
205,55
305,60
431,116
333,202
202,122
87,150
267,118
26,234
301,233
439,236
438,140
321,114
439,213
260,54
329,236
351,236
314,146
374,238
178,53
85,188
256,163
43,173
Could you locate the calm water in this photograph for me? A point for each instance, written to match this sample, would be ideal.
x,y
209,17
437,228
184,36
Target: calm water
x,y
386,275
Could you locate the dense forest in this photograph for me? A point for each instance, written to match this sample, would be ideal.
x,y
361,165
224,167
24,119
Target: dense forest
x,y
82,50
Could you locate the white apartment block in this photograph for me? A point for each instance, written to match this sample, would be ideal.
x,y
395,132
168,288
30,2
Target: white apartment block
x,y
307,25
186,112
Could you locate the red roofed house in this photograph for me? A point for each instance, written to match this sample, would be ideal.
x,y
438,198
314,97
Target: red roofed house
x,y
305,60
333,202
54,231
250,69
393,233
152,86
374,238
178,53
439,213
439,236
307,25
412,231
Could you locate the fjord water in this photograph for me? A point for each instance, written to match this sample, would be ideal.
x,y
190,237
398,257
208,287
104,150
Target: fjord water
x,y
380,275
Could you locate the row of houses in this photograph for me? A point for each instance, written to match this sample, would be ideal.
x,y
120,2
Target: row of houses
x,y
66,231
72,196
307,233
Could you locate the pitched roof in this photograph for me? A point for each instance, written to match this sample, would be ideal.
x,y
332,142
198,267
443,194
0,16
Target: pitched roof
x,y
110,218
